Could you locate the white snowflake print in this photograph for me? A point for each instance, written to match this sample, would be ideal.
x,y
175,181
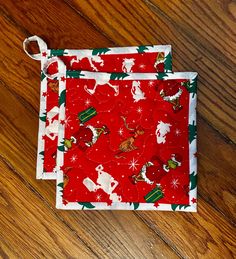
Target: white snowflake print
x,y
67,121
120,131
142,66
177,132
151,83
73,158
175,184
133,164
87,102
139,110
98,197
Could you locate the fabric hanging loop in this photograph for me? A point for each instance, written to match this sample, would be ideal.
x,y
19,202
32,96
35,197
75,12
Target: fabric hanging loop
x,y
61,68
41,44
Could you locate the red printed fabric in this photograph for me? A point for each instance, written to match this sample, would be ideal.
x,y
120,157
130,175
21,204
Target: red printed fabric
x,y
127,139
102,61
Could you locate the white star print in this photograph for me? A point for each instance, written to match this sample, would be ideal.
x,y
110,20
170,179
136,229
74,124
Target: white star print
x,y
133,164
98,197
175,183
73,158
142,65
177,132
87,102
151,83
120,131
67,121
139,110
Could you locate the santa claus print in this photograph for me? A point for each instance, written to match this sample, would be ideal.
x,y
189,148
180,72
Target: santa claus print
x,y
171,93
153,171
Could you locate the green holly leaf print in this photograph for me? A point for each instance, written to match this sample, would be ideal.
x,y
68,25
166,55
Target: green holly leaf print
x,y
136,205
100,51
62,97
74,74
141,49
179,206
174,206
61,148
168,63
193,180
42,76
161,76
191,86
43,117
42,154
192,130
115,76
87,205
57,52
61,185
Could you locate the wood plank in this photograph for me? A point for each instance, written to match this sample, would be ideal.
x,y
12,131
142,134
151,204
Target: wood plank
x,y
204,181
136,22
18,22
200,235
23,231
55,21
216,168
211,21
19,147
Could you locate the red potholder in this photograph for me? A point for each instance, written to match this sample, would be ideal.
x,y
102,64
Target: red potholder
x,y
141,59
127,141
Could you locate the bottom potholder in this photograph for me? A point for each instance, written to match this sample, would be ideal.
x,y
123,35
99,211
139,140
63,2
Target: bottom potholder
x,y
142,59
127,141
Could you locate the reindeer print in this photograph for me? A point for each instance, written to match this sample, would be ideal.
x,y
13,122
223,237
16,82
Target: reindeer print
x,y
101,81
128,144
91,59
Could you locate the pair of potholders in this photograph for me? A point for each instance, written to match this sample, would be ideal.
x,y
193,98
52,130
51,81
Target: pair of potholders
x,y
117,128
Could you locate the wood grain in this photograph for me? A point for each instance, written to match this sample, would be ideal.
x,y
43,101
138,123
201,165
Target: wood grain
x,y
24,232
202,235
200,42
142,22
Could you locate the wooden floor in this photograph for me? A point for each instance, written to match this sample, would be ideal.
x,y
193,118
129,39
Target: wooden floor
x,y
203,37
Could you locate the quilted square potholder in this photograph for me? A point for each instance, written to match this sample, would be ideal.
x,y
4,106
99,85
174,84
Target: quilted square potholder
x,y
127,141
141,59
